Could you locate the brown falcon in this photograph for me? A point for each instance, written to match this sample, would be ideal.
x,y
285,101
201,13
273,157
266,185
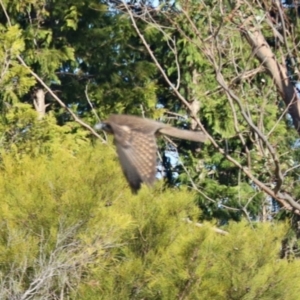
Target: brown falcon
x,y
135,140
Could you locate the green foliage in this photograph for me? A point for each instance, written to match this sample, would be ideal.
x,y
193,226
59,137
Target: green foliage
x,y
203,41
74,44
193,263
22,133
69,225
78,45
39,199
14,79
74,214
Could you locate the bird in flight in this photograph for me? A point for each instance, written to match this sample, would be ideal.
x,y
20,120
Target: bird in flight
x,y
135,140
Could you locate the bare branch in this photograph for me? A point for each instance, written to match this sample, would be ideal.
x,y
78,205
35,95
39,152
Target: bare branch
x,y
217,230
267,59
62,104
160,68
277,71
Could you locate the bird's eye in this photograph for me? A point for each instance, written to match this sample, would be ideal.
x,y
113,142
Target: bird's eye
x,y
107,128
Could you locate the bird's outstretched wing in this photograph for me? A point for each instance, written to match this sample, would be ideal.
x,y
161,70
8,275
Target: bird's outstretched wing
x,y
148,126
137,154
136,145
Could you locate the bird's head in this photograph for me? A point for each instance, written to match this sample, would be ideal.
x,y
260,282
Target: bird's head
x,y
103,126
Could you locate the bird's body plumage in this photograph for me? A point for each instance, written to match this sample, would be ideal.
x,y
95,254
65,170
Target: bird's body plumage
x,y
136,145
